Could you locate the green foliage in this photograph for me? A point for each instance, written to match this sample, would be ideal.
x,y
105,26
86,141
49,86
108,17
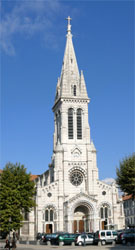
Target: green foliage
x,y
16,196
126,175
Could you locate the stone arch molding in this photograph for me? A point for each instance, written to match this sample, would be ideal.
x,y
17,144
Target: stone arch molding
x,y
75,150
71,107
82,201
50,205
75,109
104,203
85,204
80,107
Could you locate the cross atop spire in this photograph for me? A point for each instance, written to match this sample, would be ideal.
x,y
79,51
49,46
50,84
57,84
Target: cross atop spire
x,y
69,19
69,25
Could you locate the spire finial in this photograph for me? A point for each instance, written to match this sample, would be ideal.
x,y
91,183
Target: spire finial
x,y
69,25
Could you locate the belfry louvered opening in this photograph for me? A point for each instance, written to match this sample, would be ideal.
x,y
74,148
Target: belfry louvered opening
x,y
70,123
79,124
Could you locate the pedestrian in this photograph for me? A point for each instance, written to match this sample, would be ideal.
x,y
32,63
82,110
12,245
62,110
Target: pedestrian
x,y
7,246
17,236
14,242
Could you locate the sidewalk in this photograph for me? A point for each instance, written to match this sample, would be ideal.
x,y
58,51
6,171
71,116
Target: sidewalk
x,y
29,246
69,247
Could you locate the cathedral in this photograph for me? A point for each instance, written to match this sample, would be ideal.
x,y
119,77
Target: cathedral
x,y
70,197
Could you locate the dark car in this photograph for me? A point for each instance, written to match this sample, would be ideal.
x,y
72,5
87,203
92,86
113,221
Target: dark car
x,y
66,239
40,236
120,237
63,239
49,238
3,235
128,238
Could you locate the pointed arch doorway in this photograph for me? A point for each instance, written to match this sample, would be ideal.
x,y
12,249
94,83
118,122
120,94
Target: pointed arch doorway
x,y
83,220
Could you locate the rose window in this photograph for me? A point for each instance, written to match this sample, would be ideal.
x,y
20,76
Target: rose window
x,y
76,178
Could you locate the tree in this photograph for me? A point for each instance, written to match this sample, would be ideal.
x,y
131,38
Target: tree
x,y
126,175
16,196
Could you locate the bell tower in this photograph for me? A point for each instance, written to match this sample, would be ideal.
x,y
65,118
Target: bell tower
x,y
74,153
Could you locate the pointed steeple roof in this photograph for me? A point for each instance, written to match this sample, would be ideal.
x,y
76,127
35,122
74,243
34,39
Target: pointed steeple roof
x,y
70,76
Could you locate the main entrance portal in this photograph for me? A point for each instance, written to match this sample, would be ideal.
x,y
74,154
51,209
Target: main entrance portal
x,y
83,219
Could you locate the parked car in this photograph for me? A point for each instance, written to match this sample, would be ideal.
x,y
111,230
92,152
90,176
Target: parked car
x,y
128,237
3,235
84,239
40,236
49,238
66,239
120,236
105,236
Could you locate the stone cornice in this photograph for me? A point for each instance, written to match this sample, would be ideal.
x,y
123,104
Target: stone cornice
x,y
70,100
75,99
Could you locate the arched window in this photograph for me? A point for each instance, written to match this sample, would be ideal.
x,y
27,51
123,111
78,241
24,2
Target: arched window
x,y
70,123
51,215
74,90
105,212
101,213
46,215
79,124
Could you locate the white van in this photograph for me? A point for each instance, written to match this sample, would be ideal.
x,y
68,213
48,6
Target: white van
x,y
105,236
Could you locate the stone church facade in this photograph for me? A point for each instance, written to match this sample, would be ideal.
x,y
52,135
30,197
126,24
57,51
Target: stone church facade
x,y
70,197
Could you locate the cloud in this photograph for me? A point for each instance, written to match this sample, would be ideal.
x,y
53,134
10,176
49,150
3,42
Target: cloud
x,y
109,180
27,18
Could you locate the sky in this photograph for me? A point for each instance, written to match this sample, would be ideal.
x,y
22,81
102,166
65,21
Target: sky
x,y
32,42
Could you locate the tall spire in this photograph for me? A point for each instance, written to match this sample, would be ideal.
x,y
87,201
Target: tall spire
x,y
70,76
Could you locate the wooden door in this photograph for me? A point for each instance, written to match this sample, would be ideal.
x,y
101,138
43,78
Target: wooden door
x,y
48,228
75,226
103,225
81,226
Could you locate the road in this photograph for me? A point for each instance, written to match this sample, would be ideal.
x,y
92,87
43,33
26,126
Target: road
x,y
90,247
53,247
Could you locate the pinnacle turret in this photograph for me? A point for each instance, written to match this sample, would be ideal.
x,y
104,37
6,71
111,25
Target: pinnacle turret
x,y
83,89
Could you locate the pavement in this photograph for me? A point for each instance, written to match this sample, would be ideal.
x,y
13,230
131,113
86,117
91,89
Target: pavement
x,y
23,245
88,247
